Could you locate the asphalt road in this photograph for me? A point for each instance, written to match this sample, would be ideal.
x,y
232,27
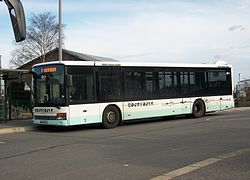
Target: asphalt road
x,y
141,150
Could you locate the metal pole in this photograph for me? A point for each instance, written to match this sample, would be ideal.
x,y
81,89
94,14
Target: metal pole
x,y
0,77
60,30
9,99
1,106
5,100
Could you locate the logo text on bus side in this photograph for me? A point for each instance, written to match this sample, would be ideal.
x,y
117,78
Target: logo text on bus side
x,y
137,104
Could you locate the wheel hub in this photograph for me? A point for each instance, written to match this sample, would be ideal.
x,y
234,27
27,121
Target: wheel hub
x,y
111,116
197,109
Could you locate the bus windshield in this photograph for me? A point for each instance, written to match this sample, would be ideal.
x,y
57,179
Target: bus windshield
x,y
48,85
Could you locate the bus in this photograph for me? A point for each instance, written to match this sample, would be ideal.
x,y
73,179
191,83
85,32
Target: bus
x,y
84,92
17,17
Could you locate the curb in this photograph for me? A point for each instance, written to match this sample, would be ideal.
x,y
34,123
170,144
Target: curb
x,y
192,167
16,130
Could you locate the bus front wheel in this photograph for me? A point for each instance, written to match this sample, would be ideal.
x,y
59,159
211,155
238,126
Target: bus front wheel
x,y
111,117
198,108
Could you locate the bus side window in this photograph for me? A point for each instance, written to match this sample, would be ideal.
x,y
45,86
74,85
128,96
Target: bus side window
x,y
218,81
108,84
133,85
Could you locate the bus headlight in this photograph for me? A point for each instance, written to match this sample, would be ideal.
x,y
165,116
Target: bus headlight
x,y
61,116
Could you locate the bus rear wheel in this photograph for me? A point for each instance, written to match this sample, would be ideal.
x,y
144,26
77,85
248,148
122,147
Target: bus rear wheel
x,y
198,108
111,117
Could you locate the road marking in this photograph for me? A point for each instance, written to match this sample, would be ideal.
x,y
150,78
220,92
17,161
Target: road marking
x,y
239,109
228,119
198,165
2,142
234,119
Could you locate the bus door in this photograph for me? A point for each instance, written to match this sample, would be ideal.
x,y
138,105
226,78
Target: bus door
x,y
82,106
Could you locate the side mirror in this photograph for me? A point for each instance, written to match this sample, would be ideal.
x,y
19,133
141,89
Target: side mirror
x,y
69,80
26,87
17,18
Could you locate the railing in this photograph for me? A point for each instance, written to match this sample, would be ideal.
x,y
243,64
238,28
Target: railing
x,y
242,102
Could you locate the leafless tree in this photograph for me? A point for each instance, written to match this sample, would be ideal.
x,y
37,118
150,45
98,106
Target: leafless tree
x,y
41,37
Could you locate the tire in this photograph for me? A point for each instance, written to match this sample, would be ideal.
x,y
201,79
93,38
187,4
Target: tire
x,y
110,117
198,108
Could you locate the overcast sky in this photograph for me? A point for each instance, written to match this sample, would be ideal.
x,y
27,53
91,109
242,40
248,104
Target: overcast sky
x,y
184,31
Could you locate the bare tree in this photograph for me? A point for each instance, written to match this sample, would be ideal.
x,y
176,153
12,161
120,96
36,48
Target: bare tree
x,y
41,37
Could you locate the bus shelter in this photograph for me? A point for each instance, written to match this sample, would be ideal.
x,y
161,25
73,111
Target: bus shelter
x,y
15,93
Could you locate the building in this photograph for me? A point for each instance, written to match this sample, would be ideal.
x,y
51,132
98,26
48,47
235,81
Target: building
x,y
242,95
66,55
243,89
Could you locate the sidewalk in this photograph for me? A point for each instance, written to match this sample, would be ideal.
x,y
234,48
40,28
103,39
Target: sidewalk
x,y
16,126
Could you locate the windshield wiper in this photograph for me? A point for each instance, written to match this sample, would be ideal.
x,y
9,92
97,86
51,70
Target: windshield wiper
x,y
54,105
47,104
38,105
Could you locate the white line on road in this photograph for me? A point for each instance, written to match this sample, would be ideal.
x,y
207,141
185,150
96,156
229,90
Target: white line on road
x,y
198,165
228,119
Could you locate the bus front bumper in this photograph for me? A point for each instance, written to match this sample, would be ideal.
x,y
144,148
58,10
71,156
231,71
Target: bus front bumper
x,y
50,122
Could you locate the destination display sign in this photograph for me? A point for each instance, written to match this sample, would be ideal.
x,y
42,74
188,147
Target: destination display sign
x,y
48,70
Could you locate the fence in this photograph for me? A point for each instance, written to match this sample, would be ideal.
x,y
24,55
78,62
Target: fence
x,y
2,109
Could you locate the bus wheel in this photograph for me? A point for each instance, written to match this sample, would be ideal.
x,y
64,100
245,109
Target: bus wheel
x,y
198,108
110,117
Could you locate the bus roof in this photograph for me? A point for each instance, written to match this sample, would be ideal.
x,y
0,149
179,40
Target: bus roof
x,y
139,64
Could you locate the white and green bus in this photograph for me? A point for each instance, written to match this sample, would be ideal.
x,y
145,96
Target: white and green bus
x,y
84,92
